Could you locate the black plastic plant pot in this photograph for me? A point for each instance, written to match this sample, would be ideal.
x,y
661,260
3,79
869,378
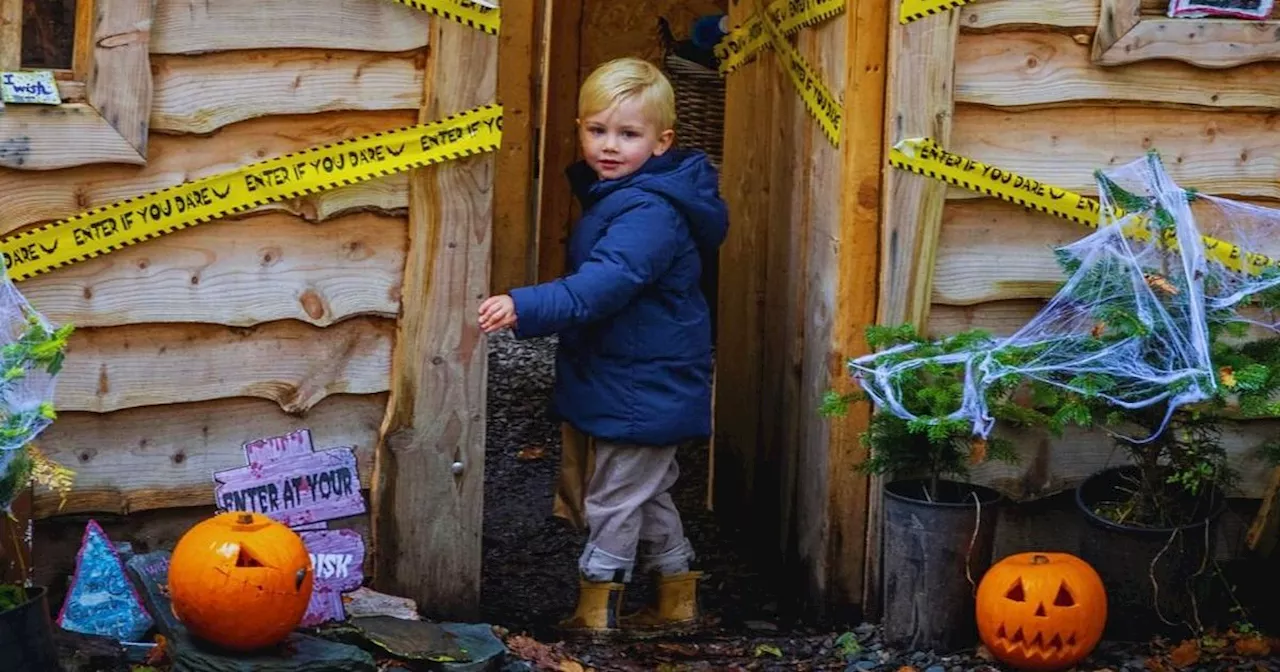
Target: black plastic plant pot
x,y
1143,567
931,550
26,635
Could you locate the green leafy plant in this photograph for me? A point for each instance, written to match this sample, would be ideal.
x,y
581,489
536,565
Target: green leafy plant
x,y
934,446
37,348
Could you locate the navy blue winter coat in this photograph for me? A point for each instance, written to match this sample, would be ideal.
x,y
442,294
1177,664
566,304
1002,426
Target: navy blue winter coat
x,y
634,359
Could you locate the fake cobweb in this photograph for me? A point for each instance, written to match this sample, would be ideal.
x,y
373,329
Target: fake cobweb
x,y
1130,325
31,353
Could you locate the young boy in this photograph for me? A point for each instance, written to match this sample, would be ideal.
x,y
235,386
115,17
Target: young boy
x,y
633,366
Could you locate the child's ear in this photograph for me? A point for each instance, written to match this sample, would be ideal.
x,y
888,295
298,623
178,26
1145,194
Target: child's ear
x,y
665,139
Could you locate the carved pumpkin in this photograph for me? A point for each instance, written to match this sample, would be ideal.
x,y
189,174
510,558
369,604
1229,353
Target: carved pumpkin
x,y
240,580
1041,611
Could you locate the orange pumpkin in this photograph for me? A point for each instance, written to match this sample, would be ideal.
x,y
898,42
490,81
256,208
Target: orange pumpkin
x,y
1041,611
240,580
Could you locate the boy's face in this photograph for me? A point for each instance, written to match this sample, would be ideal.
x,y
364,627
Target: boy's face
x,y
616,142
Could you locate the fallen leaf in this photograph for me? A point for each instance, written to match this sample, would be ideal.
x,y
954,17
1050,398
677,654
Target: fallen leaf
x,y
571,666
530,453
906,668
1253,646
983,653
1154,665
1185,654
762,649
977,450
1228,377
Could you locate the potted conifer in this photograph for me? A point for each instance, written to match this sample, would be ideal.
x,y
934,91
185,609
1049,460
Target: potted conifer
x,y
938,527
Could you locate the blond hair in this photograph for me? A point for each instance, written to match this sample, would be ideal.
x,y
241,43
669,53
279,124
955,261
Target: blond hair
x,y
623,78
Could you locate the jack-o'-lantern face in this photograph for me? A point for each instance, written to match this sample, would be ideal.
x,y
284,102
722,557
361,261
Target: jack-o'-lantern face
x,y
1041,611
240,580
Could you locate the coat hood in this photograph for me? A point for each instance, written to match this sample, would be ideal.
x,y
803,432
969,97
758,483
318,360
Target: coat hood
x,y
685,178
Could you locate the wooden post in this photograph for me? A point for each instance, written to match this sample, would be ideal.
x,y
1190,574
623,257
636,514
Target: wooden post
x,y
429,474
856,290
559,135
514,235
747,161
922,65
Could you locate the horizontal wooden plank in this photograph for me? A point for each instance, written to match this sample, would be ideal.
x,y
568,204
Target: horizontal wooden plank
x,y
1055,13
976,232
1215,151
291,363
164,456
237,272
1044,68
1000,318
200,94
194,26
43,137
1047,466
35,197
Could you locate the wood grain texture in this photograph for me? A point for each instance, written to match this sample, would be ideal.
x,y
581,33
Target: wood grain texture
x,y
1024,68
976,232
291,363
855,300
1264,531
41,137
920,103
157,457
200,94
30,198
119,83
195,26
1214,151
742,311
1048,466
10,34
556,204
1000,318
1011,13
519,72
236,272
1116,19
436,414
58,539
1220,43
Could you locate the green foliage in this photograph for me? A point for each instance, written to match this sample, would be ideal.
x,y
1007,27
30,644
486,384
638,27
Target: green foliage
x,y
11,595
36,348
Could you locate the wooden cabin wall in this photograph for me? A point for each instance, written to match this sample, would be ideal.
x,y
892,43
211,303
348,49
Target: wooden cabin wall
x,y
193,343
797,283
582,35
1027,98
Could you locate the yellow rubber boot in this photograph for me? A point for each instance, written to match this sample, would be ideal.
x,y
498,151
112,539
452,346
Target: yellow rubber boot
x,y
676,611
596,616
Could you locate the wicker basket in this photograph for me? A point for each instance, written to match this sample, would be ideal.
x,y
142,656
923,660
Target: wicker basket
x,y
699,106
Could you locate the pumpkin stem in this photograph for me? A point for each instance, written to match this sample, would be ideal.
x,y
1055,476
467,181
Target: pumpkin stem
x,y
1039,560
245,519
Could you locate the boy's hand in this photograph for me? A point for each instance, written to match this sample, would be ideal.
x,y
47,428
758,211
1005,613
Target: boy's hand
x,y
497,312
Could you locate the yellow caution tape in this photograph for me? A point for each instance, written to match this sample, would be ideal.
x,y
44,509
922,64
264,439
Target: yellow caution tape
x,y
913,10
742,44
924,157
816,96
133,220
480,17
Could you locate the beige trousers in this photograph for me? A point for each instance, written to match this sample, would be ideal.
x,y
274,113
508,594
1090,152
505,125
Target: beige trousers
x,y
621,495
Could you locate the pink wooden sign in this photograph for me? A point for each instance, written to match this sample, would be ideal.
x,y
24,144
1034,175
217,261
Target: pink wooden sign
x,y
288,480
337,558
295,488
